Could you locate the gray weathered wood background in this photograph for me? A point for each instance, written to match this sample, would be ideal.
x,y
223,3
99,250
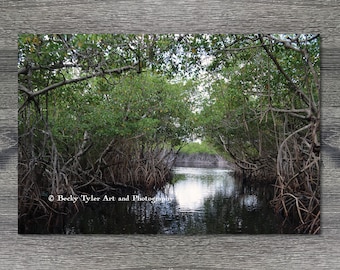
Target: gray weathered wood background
x,y
164,252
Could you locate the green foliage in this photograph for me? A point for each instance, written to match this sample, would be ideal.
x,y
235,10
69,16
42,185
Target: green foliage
x,y
143,106
255,97
198,148
241,84
244,111
107,104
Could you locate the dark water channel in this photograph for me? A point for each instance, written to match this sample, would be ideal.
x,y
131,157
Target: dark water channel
x,y
200,201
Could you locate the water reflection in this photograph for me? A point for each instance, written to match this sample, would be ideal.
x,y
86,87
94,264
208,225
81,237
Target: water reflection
x,y
199,201
195,185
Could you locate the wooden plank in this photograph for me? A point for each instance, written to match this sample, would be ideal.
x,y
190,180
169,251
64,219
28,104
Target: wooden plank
x,y
162,252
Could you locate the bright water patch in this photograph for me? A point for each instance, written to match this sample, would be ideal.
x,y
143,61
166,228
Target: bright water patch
x,y
198,185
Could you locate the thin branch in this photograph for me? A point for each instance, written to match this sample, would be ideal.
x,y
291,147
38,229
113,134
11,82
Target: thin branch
x,y
25,70
241,49
65,82
279,155
25,90
285,43
295,112
293,86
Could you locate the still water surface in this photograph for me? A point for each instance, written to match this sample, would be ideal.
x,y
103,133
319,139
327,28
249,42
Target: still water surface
x,y
200,201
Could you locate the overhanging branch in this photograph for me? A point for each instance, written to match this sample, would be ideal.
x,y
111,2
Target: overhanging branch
x,y
25,70
65,82
291,84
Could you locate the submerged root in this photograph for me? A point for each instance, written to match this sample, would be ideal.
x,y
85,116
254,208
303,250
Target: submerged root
x,y
124,165
131,164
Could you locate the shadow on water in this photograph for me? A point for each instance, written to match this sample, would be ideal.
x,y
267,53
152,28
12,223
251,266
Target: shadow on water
x,y
198,201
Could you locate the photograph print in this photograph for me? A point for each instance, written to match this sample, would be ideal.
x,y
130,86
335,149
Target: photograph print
x,y
173,134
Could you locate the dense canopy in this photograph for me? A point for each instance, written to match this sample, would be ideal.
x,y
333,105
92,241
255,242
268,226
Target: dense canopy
x,y
101,110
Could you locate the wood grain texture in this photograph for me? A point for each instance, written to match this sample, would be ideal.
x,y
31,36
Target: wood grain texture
x,y
171,252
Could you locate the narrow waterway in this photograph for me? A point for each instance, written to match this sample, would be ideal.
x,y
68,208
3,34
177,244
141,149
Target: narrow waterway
x,y
199,201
